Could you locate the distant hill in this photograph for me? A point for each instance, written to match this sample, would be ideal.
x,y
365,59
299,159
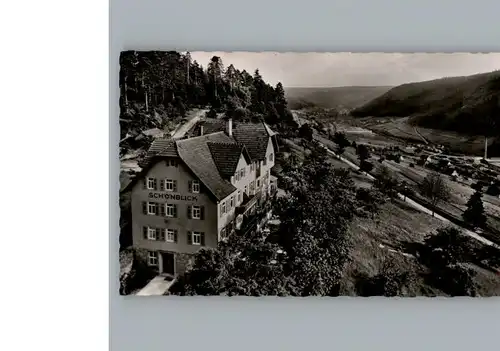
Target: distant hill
x,y
333,97
469,104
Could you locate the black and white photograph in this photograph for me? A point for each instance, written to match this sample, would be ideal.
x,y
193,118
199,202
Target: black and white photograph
x,y
309,174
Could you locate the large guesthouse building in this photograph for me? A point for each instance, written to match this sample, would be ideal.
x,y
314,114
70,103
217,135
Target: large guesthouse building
x,y
194,192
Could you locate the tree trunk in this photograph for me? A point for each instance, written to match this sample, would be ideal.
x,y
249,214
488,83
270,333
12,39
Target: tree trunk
x,y
125,91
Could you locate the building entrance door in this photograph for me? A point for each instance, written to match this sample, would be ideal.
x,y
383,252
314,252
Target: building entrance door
x,y
168,263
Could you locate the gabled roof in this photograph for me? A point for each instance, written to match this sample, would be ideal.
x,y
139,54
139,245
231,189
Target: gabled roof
x,y
197,156
212,157
162,147
226,157
254,136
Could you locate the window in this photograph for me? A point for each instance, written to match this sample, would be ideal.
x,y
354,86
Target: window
x,y
152,258
196,186
246,189
223,207
173,163
169,185
239,196
171,236
196,237
196,212
223,233
151,233
271,157
171,210
151,183
236,176
258,183
242,172
232,202
151,208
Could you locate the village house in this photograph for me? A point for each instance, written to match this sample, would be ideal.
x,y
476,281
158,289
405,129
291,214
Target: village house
x,y
194,192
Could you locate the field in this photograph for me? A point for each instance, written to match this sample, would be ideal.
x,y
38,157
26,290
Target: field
x,y
375,242
461,189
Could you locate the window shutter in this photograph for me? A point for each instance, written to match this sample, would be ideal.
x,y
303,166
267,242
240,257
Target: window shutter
x,y
162,184
144,207
155,186
190,186
145,232
157,209
162,210
202,212
190,239
157,233
175,235
175,185
189,212
162,234
145,183
175,211
202,235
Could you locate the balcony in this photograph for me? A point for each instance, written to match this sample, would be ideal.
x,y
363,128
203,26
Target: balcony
x,y
248,204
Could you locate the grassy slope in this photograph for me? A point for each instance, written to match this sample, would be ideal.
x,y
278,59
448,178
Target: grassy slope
x,y
461,104
334,97
396,225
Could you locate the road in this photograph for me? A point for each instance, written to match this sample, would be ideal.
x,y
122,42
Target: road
x,y
420,135
192,119
417,205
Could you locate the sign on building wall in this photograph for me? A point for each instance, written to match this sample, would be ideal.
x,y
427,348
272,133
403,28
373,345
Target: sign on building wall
x,y
173,197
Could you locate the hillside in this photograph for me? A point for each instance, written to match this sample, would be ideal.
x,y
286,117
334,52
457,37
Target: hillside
x,y
333,97
160,88
468,105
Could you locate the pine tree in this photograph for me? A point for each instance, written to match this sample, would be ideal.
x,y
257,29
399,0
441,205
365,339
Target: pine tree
x,y
474,214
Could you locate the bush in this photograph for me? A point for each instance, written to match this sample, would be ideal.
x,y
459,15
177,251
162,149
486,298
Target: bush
x,y
139,274
493,190
366,166
454,280
391,281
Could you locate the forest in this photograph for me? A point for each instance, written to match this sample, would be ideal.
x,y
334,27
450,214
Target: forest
x,y
160,86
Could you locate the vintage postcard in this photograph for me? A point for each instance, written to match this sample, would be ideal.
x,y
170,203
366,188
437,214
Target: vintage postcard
x,y
309,174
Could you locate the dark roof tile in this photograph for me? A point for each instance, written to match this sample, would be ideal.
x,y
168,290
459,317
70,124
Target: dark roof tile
x,y
196,153
226,157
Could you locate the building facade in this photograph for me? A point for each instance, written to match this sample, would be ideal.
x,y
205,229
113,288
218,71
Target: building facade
x,y
193,193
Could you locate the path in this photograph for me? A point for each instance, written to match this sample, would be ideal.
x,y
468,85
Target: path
x,y
192,119
157,286
420,135
417,205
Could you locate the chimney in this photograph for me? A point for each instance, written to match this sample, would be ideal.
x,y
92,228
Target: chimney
x,y
230,127
201,129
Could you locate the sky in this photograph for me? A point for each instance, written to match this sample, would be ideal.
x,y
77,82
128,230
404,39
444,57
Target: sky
x,y
353,69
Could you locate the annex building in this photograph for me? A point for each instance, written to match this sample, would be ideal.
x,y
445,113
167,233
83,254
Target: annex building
x,y
194,192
